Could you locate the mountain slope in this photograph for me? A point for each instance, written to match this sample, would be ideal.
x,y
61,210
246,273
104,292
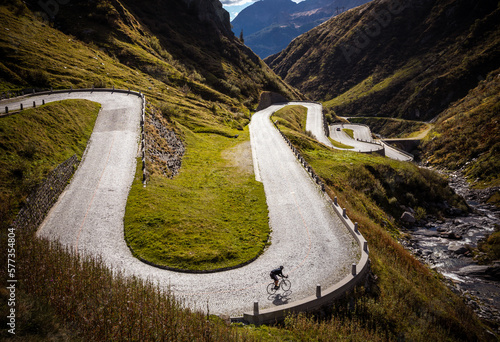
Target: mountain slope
x,y
467,135
151,39
389,58
268,26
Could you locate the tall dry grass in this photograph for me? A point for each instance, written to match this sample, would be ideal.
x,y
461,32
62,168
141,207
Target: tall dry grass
x,y
102,305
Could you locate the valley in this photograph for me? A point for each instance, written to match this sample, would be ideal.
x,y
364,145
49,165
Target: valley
x,y
170,233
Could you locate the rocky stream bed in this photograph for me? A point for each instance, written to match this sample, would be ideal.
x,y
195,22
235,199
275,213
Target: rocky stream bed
x,y
446,245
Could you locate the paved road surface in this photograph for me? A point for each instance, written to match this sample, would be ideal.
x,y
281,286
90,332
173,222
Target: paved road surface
x,y
363,141
307,236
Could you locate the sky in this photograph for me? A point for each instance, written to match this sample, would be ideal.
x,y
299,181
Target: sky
x,y
236,6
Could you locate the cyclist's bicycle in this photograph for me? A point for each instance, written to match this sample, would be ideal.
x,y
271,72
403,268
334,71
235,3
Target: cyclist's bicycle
x,y
284,283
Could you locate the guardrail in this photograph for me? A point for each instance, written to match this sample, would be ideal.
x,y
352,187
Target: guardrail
x,y
321,297
411,156
93,89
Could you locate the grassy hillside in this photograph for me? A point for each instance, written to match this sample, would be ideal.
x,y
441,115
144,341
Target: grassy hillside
x,y
394,128
467,135
413,60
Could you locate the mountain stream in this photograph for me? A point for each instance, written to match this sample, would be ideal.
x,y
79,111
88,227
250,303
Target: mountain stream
x,y
446,246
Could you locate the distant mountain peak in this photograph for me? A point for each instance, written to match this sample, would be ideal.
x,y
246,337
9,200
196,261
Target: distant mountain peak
x,y
270,25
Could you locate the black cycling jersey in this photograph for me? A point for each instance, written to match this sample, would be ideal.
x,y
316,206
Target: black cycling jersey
x,y
277,272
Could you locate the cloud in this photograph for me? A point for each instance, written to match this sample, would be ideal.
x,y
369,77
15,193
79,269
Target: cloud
x,y
236,2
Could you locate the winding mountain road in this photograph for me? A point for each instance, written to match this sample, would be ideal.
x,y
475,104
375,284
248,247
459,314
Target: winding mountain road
x,y
308,237
362,142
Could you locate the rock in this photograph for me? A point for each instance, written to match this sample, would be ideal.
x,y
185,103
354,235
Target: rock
x,y
455,212
491,272
211,11
268,98
457,248
428,233
408,217
451,235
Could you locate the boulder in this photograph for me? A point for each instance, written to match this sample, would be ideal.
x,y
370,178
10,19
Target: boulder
x,y
491,272
408,217
457,248
451,235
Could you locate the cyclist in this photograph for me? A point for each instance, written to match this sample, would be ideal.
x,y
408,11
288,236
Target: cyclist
x,y
274,275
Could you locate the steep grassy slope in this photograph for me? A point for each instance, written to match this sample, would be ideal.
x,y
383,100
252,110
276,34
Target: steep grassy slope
x,y
467,135
393,128
392,58
151,48
415,60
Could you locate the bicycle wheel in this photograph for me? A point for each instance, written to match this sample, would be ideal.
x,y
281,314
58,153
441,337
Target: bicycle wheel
x,y
271,289
286,284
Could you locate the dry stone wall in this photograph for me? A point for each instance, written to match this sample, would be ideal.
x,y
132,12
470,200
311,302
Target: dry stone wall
x,y
164,148
45,196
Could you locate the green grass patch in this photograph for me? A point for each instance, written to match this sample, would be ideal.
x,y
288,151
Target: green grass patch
x,y
212,215
339,144
349,132
30,147
467,135
292,117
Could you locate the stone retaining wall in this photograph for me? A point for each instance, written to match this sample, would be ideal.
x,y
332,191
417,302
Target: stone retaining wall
x,y
45,196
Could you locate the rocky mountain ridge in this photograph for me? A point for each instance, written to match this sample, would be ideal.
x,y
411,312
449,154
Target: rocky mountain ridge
x,y
211,10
